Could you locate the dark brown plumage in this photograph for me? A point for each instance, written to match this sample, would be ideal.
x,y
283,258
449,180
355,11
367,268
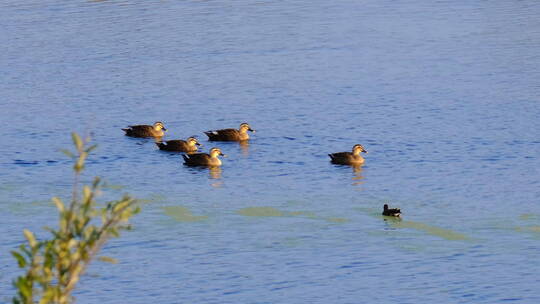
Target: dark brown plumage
x,y
230,134
203,159
178,145
349,158
157,130
391,212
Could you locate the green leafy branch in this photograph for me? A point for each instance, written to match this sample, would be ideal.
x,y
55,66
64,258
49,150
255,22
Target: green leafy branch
x,y
54,266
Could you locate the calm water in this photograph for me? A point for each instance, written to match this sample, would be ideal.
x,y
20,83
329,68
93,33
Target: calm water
x,y
445,96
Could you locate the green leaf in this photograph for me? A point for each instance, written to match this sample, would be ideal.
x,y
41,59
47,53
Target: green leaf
x,y
59,204
68,153
30,237
20,259
96,182
86,192
24,288
91,148
25,250
121,205
77,141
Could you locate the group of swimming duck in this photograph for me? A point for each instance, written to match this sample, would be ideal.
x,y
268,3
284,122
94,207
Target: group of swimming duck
x,y
192,158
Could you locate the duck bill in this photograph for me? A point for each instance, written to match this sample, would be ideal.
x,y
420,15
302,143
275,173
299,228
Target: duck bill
x,y
198,144
224,155
251,130
164,129
364,151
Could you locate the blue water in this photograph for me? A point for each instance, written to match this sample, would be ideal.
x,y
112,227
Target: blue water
x,y
445,96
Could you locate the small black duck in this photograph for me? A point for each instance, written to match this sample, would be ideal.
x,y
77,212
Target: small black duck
x,y
157,130
178,145
349,158
230,134
391,212
203,159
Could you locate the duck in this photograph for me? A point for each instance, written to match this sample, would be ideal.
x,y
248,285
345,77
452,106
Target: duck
x,y
203,159
157,130
178,145
391,212
349,158
230,134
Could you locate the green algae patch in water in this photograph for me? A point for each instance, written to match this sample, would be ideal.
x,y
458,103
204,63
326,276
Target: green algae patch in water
x,y
182,214
533,230
306,214
440,232
260,211
528,216
337,220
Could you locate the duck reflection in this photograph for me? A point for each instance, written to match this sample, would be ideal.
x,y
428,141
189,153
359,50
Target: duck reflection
x,y
244,146
215,172
215,177
392,221
357,175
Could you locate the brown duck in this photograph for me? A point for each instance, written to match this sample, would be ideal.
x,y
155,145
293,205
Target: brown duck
x,y
349,158
157,130
230,134
178,145
391,212
203,159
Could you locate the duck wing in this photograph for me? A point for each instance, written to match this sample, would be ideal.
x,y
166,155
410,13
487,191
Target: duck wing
x,y
392,212
223,134
139,130
340,156
173,145
141,127
196,159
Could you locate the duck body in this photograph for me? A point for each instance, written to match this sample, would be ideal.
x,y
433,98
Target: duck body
x,y
157,130
178,145
203,159
391,211
348,158
230,134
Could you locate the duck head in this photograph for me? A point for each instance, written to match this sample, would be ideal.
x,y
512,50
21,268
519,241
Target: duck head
x,y
357,149
244,127
215,152
158,125
192,141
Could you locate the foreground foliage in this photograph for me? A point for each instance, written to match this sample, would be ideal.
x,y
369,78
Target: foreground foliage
x,y
54,266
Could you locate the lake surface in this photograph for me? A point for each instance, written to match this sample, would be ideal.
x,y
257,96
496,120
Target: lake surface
x,y
444,95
